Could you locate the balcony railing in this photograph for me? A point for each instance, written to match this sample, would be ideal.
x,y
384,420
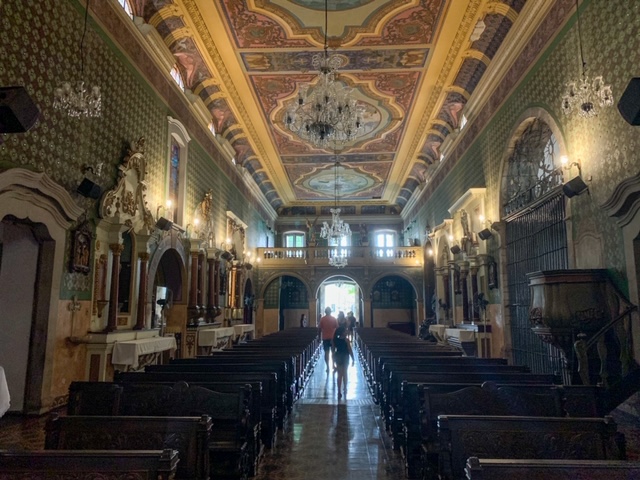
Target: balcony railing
x,y
356,256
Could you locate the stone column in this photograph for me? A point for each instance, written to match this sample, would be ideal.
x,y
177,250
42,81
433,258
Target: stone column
x,y
313,312
464,287
142,291
192,309
366,315
200,286
211,283
474,294
216,288
112,319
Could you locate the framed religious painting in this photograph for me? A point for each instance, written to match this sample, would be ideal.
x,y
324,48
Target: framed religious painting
x,y
81,250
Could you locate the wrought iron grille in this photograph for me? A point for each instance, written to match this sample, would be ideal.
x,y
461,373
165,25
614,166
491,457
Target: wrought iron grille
x,y
532,170
536,236
536,240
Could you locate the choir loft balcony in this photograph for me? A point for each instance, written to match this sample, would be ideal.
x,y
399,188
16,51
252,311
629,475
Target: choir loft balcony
x,y
356,256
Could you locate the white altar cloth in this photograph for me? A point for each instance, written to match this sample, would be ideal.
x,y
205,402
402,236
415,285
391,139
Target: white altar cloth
x,y
5,399
209,337
128,352
438,332
243,329
461,334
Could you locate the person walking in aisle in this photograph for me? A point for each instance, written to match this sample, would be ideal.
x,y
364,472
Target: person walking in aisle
x,y
342,350
326,328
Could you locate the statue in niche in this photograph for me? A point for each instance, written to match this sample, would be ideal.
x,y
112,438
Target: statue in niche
x,y
205,205
81,250
311,229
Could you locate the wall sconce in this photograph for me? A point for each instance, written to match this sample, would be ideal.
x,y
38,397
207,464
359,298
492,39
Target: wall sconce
x,y
576,185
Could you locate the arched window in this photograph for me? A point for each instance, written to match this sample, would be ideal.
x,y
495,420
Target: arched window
x,y
533,168
127,7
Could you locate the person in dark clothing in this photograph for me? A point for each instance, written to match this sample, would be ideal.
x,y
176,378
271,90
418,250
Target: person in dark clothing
x,y
342,350
351,324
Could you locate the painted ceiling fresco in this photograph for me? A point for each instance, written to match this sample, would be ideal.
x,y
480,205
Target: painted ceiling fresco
x,y
412,64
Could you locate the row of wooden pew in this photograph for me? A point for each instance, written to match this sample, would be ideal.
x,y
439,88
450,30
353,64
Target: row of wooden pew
x,y
201,418
457,417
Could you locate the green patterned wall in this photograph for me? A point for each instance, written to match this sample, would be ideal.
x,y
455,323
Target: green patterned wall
x,y
606,145
39,49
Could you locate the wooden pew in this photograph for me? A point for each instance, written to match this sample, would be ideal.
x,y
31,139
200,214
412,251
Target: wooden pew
x,y
285,392
390,397
499,469
464,436
270,404
283,365
419,440
418,358
188,435
157,398
88,464
230,445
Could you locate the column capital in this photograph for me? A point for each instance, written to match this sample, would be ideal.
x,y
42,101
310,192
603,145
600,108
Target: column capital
x,y
116,248
144,256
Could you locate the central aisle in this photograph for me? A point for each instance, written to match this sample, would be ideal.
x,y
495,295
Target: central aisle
x,y
331,439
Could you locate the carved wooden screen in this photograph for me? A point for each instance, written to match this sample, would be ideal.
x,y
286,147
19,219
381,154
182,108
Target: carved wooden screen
x,y
534,212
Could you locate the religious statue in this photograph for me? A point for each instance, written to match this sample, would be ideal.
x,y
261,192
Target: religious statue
x,y
311,228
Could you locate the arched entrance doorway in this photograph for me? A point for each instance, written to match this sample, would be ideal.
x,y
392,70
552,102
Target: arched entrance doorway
x,y
26,257
169,308
393,304
286,299
342,294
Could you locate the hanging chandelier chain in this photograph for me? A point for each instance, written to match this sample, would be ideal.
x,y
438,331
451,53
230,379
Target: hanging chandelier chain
x,y
84,33
585,95
77,100
584,63
326,110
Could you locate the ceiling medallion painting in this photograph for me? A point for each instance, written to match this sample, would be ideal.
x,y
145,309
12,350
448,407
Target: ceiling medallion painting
x,y
412,64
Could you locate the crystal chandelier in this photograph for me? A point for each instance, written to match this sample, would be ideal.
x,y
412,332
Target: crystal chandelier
x,y
325,111
587,95
79,101
338,229
338,261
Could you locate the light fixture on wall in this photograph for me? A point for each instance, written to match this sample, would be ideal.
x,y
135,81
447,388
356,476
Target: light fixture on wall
x,y
78,100
325,111
585,94
576,185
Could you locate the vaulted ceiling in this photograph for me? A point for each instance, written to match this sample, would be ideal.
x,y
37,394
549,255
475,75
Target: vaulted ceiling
x,y
413,63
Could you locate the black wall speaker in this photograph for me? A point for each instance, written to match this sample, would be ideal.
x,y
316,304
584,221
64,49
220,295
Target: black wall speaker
x,y
485,234
89,189
18,113
455,249
574,187
164,224
629,104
